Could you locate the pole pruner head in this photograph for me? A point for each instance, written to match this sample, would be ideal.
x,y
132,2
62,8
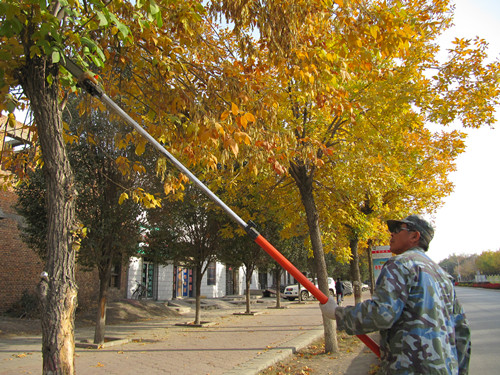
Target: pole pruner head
x,y
85,79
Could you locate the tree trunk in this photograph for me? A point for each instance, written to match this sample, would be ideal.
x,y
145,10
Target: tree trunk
x,y
57,291
199,275
277,274
305,184
355,274
370,266
248,282
100,326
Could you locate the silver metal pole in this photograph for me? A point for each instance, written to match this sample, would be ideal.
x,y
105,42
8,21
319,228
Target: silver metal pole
x,y
172,159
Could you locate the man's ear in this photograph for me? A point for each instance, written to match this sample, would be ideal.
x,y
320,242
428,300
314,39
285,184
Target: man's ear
x,y
416,236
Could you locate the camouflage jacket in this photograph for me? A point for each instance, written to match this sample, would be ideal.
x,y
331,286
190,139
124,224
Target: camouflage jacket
x,y
422,325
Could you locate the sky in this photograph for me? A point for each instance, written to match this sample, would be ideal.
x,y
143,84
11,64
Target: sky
x,y
468,221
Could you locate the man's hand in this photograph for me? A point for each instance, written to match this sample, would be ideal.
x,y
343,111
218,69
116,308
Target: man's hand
x,y
328,309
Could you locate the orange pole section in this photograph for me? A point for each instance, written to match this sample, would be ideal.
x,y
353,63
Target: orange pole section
x,y
285,263
372,345
299,276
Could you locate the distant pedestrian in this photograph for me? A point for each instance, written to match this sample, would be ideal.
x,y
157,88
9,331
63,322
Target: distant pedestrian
x,y
422,325
339,290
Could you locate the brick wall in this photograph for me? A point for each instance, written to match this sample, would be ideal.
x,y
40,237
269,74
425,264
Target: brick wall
x,y
88,289
21,267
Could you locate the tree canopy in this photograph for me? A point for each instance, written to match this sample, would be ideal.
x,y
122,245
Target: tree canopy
x,y
488,262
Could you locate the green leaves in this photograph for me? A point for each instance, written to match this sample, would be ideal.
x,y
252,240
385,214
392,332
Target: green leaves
x,y
122,28
154,9
89,48
56,57
11,25
103,21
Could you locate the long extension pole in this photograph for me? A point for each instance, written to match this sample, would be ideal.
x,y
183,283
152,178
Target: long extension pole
x,y
86,81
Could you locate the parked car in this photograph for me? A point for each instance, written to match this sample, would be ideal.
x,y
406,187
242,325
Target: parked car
x,y
292,291
347,288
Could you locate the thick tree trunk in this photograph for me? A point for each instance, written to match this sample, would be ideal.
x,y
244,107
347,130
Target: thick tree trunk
x,y
58,291
355,274
100,326
304,183
330,326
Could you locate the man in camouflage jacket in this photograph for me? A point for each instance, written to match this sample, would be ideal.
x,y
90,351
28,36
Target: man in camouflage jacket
x,y
422,325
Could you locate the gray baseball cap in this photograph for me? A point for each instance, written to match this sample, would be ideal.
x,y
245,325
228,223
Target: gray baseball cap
x,y
415,222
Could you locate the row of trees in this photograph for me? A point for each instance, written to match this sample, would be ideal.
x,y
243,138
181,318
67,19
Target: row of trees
x,y
188,230
488,262
466,267
312,111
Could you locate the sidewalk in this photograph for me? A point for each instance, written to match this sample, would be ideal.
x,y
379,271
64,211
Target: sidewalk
x,y
233,344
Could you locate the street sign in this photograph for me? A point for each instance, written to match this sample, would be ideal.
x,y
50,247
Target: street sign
x,y
380,254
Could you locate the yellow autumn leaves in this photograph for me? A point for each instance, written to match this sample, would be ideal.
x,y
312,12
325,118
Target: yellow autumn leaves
x,y
239,136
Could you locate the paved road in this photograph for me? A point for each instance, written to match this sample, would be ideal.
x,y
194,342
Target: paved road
x,y
482,307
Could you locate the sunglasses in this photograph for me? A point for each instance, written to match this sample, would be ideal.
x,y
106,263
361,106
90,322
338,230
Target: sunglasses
x,y
399,229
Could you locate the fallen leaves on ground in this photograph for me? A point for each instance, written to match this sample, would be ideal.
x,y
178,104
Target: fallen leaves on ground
x,y
306,361
21,355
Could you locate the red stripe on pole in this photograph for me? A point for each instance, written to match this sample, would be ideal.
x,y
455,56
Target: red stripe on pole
x,y
306,283
372,345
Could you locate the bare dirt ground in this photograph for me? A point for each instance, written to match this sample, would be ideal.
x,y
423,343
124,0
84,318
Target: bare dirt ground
x,y
128,310
117,312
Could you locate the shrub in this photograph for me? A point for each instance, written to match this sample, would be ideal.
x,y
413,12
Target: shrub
x,y
26,307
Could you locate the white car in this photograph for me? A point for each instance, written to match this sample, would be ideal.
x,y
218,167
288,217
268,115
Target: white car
x,y
292,291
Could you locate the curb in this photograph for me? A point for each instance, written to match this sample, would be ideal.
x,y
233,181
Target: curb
x,y
271,356
112,341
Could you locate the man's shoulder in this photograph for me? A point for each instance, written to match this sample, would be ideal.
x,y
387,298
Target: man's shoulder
x,y
410,260
416,260
415,255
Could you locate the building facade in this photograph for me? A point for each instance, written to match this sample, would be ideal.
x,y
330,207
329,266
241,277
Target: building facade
x,y
166,282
